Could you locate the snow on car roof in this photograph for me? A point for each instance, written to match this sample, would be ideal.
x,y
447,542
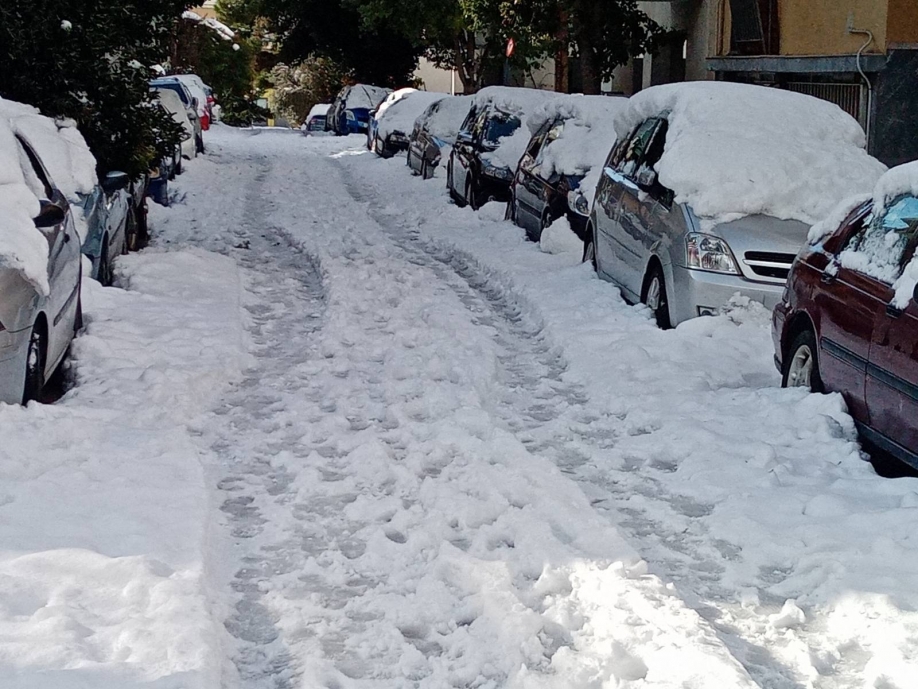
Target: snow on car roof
x,y
585,141
318,110
22,247
400,116
443,122
365,96
734,150
519,102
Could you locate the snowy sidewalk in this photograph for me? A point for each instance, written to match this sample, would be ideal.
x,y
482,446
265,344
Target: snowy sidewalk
x,y
103,507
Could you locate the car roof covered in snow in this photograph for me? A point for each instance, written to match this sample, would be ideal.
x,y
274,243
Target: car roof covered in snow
x,y
318,110
365,96
586,139
443,118
22,247
400,116
734,150
512,100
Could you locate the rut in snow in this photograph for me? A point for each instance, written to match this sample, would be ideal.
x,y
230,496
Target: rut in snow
x,y
552,418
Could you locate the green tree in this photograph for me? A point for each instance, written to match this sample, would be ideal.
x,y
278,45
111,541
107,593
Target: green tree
x,y
90,60
602,34
299,87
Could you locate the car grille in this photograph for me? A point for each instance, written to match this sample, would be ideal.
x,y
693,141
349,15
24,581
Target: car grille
x,y
767,264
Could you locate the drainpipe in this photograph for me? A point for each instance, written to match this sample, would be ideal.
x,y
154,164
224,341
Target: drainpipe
x,y
860,52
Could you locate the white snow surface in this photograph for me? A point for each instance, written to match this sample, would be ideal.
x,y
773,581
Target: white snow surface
x,y
103,507
445,122
734,150
400,116
585,141
365,96
448,459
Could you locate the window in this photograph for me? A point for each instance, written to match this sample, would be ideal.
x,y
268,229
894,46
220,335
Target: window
x,y
34,175
885,242
630,155
754,28
498,127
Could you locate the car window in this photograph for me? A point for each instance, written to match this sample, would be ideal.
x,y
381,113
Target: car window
x,y
469,120
34,175
631,154
499,126
551,135
885,241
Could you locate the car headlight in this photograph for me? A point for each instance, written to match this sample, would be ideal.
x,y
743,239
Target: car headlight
x,y
349,116
707,252
577,202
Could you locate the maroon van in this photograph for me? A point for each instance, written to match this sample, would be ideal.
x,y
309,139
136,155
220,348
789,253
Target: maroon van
x,y
844,324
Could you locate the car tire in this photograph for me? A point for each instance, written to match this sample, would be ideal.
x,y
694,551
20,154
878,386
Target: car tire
x,y
471,196
801,363
589,248
544,224
653,295
35,364
199,145
178,168
426,169
104,273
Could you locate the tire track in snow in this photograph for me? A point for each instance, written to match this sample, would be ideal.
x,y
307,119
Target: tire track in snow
x,y
552,418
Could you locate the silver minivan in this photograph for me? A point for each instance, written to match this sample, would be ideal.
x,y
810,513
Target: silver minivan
x,y
35,329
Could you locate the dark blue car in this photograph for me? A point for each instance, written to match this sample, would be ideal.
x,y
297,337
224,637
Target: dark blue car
x,y
350,112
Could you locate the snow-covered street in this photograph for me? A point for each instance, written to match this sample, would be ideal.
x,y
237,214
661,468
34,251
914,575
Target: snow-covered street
x,y
339,433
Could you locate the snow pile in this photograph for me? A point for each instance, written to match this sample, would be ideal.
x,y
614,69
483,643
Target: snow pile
x,y
401,115
898,182
734,150
364,96
221,29
833,220
22,246
443,119
559,238
391,100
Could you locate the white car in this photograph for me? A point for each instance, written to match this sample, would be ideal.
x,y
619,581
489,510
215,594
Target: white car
x,y
40,265
172,104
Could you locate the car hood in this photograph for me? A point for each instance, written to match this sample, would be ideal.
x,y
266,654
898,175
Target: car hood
x,y
763,233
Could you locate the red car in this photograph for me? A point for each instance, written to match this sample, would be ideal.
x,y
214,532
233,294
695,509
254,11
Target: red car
x,y
848,321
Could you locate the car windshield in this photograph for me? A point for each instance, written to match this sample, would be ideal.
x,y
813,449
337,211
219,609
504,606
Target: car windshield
x,y
878,250
498,127
317,123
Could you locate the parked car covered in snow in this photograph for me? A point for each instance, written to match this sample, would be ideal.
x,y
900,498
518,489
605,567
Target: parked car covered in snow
x,y
188,101
350,111
393,122
490,143
199,91
570,137
101,209
848,321
315,120
40,265
434,132
172,104
711,190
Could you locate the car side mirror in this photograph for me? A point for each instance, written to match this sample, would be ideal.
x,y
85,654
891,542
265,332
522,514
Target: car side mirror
x,y
115,181
51,214
646,177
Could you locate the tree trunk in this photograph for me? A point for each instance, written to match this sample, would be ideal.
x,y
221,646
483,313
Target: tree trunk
x,y
589,70
562,56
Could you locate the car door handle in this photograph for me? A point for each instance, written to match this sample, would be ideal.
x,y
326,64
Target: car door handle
x,y
892,311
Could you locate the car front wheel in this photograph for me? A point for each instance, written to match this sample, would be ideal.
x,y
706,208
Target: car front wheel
x,y
589,249
35,365
654,296
471,196
801,364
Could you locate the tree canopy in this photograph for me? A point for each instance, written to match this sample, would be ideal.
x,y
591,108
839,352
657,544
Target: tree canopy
x,y
90,60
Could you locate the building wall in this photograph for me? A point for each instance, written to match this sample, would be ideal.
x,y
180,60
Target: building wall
x,y
902,25
820,27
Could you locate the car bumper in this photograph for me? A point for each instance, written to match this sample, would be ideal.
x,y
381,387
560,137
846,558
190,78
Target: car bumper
x,y
699,293
13,350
